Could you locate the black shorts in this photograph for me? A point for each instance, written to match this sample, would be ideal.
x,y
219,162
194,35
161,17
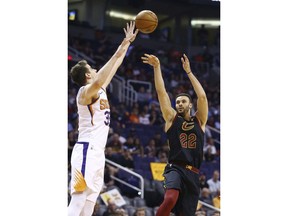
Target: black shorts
x,y
187,182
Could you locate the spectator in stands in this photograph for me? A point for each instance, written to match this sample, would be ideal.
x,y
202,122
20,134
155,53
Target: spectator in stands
x,y
155,118
200,213
216,199
207,134
202,181
205,196
214,183
140,212
123,114
134,115
114,143
150,149
129,144
108,181
133,145
144,118
96,208
165,148
162,157
114,113
217,122
120,212
216,213
139,148
143,96
153,102
113,210
110,155
126,159
174,81
158,140
210,150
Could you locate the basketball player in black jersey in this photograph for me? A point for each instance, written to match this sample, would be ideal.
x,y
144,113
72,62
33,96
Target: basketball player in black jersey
x,y
185,134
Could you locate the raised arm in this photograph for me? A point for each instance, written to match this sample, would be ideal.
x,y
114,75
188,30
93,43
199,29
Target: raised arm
x,y
104,76
130,37
202,103
165,104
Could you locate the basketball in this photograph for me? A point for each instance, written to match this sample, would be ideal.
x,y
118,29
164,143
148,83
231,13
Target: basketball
x,y
146,21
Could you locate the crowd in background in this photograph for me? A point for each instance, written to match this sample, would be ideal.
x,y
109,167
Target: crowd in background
x,y
125,143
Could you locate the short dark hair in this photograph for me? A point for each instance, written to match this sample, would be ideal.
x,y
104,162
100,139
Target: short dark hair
x,y
184,94
78,71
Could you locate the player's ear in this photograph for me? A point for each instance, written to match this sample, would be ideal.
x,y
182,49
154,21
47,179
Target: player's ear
x,y
88,75
190,105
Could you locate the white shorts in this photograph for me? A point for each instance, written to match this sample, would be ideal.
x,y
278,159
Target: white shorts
x,y
87,169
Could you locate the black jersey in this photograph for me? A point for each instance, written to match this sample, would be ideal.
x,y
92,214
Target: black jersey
x,y
186,140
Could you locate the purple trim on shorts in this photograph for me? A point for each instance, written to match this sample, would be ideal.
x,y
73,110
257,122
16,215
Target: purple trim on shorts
x,y
85,148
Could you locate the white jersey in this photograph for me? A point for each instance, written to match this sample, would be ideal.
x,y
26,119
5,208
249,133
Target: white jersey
x,y
88,157
94,120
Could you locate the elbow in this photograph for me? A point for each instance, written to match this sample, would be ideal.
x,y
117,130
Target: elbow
x,y
202,97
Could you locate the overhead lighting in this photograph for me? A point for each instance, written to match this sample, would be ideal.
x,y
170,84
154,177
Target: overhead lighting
x,y
207,23
121,15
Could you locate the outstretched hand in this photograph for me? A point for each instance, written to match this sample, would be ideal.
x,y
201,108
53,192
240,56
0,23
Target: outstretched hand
x,y
130,35
186,63
151,60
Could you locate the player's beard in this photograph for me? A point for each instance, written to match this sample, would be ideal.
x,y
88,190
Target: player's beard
x,y
182,111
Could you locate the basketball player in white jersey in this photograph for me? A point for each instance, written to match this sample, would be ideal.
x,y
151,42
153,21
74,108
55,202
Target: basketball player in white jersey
x,y
88,158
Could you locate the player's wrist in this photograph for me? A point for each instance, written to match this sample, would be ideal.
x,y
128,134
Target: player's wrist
x,y
156,64
128,40
188,72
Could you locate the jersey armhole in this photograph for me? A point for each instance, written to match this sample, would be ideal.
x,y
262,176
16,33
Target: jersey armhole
x,y
94,101
104,90
199,124
175,117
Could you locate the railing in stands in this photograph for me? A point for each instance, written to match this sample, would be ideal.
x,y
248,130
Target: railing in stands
x,y
141,189
123,90
140,83
130,95
215,134
118,84
209,206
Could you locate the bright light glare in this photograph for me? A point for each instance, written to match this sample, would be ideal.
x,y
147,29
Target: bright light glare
x,y
121,15
207,23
